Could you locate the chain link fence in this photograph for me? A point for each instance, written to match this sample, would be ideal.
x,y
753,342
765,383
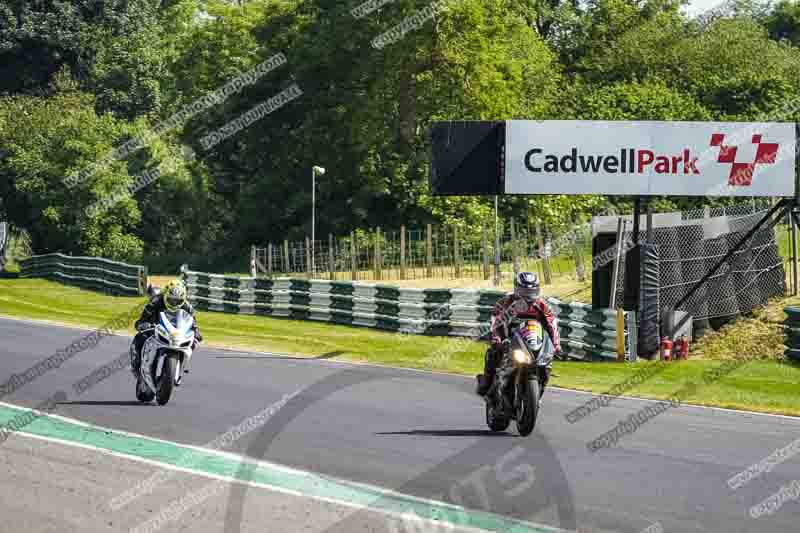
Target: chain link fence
x,y
15,244
690,243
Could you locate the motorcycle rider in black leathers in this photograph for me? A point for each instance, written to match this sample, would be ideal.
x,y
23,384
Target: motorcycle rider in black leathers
x,y
171,298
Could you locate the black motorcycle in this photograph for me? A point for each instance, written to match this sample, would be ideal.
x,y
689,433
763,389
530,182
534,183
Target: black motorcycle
x,y
520,379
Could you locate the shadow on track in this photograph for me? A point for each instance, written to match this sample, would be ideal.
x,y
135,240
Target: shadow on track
x,y
449,433
108,403
492,461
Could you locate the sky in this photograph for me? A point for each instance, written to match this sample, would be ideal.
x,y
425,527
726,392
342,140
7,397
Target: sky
x,y
698,6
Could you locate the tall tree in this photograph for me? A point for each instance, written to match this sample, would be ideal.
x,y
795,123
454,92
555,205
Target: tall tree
x,y
44,140
111,47
783,22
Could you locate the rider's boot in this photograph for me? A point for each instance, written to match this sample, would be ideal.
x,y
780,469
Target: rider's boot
x,y
136,359
490,367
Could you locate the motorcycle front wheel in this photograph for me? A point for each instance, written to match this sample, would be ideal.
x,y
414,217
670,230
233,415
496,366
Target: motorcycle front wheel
x,y
167,380
495,420
527,406
143,394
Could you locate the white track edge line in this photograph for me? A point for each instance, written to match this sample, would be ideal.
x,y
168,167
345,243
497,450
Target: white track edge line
x,y
247,460
416,499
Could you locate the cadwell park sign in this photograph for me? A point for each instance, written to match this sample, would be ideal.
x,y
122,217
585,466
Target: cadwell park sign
x,y
650,158
645,158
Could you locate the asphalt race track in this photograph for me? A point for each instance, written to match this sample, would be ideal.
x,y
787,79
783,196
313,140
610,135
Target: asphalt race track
x,y
424,434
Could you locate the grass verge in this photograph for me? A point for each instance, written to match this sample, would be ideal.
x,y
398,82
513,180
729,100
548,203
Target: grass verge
x,y
769,385
759,335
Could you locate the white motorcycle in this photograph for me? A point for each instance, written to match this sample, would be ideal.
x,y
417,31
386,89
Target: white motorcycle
x,y
165,355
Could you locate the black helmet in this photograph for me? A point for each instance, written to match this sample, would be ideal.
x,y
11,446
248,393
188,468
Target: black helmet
x,y
526,286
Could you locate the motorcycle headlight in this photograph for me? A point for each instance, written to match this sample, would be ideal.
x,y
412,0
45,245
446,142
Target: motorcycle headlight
x,y
521,357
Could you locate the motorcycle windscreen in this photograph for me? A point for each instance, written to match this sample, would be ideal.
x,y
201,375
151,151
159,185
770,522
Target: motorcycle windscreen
x,y
183,321
179,320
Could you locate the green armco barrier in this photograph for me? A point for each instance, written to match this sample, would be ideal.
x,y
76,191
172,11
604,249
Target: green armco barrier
x,y
791,329
792,354
93,273
586,334
792,312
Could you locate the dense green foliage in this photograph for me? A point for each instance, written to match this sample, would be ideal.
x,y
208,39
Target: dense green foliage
x,y
79,78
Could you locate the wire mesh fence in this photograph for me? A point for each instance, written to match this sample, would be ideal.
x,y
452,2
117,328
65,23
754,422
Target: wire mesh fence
x,y
432,253
690,243
15,245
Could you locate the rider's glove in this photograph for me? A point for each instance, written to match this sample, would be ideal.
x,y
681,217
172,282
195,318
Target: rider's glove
x,y
143,326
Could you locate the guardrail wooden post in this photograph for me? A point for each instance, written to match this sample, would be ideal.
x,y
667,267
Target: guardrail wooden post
x,y
286,256
548,279
308,258
377,259
795,285
142,281
252,260
330,254
456,252
353,257
402,252
497,256
485,254
429,251
580,271
514,257
621,223
620,335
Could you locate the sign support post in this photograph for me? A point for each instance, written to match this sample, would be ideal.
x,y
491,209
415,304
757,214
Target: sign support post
x,y
794,212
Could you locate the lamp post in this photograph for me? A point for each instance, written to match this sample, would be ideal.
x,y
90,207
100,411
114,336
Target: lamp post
x,y
496,247
314,171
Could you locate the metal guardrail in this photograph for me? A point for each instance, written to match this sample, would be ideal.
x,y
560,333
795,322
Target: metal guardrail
x,y
587,334
87,272
791,329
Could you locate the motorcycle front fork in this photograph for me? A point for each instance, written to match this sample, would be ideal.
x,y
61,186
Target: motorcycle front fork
x,y
500,387
544,378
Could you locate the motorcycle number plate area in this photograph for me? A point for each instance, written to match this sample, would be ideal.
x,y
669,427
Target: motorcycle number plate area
x,y
534,326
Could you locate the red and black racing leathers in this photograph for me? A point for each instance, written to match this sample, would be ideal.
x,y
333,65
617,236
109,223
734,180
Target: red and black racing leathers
x,y
505,310
511,306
